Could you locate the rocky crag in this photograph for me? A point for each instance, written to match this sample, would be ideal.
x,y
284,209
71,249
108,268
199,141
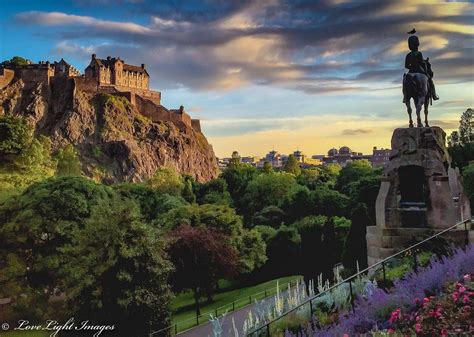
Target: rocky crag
x,y
115,141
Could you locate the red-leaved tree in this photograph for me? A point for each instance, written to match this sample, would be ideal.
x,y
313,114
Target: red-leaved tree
x,y
201,257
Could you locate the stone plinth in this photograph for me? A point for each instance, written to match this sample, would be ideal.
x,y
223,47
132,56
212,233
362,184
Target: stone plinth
x,y
420,193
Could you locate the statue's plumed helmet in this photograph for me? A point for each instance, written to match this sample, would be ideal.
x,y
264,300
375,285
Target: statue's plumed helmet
x,y
413,42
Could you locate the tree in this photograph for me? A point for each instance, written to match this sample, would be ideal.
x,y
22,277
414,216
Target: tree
x,y
355,247
223,218
468,182
167,180
329,247
292,165
237,178
68,162
117,270
235,160
188,193
213,192
201,256
269,216
466,127
35,226
328,202
14,61
352,172
283,251
267,167
15,136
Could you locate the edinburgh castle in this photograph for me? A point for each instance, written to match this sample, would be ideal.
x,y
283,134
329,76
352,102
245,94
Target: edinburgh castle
x,y
111,76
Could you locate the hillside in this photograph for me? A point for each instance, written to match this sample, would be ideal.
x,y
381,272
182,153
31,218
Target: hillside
x,y
114,140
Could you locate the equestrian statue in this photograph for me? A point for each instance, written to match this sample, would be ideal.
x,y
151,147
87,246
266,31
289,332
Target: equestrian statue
x,y
418,82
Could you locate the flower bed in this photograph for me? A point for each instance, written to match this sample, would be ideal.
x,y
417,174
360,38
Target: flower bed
x,y
440,288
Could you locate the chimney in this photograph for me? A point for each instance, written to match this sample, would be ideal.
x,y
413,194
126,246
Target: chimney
x,y
143,65
93,56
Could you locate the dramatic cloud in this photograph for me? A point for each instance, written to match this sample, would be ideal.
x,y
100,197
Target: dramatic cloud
x,y
317,47
352,132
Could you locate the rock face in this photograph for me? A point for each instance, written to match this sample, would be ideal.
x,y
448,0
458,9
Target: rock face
x,y
420,192
114,140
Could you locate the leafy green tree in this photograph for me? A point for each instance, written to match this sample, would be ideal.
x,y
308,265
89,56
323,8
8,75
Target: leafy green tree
x,y
14,61
366,191
68,162
468,182
461,142
355,247
466,127
188,192
235,160
283,251
15,136
213,192
249,244
35,226
269,216
201,256
292,166
329,247
266,232
167,180
267,167
237,178
310,229
268,190
352,172
312,178
153,204
328,202
117,270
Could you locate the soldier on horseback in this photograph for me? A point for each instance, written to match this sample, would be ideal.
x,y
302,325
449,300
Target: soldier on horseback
x,y
418,82
415,63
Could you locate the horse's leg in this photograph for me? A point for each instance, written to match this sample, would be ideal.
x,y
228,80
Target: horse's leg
x,y
407,103
418,103
427,101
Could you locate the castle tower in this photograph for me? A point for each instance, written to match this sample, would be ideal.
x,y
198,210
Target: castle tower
x,y
420,192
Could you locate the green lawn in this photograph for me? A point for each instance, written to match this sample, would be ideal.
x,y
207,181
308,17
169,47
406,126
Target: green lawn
x,y
183,304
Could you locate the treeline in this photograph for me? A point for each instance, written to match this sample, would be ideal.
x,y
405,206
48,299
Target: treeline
x,y
116,254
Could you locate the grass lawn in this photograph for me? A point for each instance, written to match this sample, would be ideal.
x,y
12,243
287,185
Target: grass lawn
x,y
183,304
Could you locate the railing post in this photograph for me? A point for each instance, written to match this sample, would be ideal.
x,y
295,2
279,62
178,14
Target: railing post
x,y
415,262
466,233
268,330
216,312
352,296
265,294
176,329
383,271
250,299
197,319
310,310
233,305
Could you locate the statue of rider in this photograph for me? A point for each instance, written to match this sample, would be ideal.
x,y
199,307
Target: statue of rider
x,y
415,63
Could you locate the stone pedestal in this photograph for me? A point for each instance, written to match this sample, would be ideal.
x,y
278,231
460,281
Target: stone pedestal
x,y
419,195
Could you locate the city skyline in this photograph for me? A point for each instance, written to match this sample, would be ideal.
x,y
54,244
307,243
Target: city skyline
x,y
264,74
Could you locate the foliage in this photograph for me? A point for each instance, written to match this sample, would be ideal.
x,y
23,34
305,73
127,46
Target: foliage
x,y
351,173
213,192
152,203
15,135
201,256
292,165
68,162
355,247
237,178
167,180
269,216
267,167
188,193
461,142
283,250
117,270
42,220
468,180
249,244
14,61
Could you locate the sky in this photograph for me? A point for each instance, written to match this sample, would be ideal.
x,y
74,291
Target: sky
x,y
265,74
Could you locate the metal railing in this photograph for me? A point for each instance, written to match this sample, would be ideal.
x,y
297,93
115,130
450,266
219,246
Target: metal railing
x,y
203,318
264,330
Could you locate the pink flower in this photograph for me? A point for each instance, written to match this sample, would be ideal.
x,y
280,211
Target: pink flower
x,y
395,315
465,299
455,296
467,278
346,335
418,328
462,289
444,332
426,300
390,330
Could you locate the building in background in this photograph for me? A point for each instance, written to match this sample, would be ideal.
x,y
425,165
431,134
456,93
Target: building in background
x,y
380,157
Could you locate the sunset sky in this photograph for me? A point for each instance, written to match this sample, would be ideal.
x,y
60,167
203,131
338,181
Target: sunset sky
x,y
265,74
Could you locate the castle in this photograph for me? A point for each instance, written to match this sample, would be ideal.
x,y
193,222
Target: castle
x,y
111,75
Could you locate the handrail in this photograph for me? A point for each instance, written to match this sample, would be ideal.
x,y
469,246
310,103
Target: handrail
x,y
227,305
350,278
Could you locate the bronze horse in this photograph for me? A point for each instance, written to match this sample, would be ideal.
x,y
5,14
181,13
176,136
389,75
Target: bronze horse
x,y
416,86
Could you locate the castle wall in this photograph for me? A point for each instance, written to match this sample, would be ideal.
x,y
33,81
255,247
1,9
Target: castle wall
x,y
196,123
6,76
35,73
85,83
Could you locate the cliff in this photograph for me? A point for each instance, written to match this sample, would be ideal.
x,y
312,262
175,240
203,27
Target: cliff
x,y
115,141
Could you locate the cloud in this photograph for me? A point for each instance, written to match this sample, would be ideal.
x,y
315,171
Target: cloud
x,y
317,47
351,132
